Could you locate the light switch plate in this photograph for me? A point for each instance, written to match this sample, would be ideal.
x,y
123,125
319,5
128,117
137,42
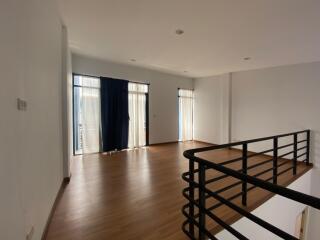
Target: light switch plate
x,y
21,104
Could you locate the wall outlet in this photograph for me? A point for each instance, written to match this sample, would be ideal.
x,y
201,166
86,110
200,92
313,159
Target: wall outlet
x,y
30,234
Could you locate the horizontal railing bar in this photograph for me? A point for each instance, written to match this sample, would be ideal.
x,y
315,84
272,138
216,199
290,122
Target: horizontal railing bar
x,y
239,182
286,170
250,188
184,224
209,234
285,154
260,153
288,193
231,161
252,155
263,172
197,150
287,145
267,180
216,179
249,156
256,175
256,154
228,187
301,155
229,199
236,195
241,174
284,163
304,147
259,164
250,216
216,219
239,170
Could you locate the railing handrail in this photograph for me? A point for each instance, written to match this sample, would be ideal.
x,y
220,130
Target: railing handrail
x,y
245,179
232,144
285,192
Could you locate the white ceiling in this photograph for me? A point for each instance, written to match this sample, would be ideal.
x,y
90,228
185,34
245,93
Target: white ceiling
x,y
218,33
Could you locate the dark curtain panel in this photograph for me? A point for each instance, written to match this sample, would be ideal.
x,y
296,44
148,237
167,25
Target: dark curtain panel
x,y
114,114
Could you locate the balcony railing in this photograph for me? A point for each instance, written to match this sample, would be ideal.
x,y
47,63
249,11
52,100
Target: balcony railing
x,y
196,210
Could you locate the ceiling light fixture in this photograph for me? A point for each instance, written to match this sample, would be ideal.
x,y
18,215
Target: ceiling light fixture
x,y
179,32
133,60
247,58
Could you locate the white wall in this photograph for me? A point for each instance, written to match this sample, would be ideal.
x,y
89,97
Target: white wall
x,y
67,107
280,212
11,217
163,92
211,109
313,230
30,141
262,102
277,100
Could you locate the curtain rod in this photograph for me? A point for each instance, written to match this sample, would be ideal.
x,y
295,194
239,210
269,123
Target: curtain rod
x,y
86,75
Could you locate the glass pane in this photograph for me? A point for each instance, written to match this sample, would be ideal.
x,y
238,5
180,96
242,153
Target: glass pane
x,y
86,94
137,87
185,93
85,81
185,114
137,119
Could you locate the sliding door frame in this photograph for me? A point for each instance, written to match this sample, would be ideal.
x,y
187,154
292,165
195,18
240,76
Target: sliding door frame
x,y
179,114
147,117
73,109
73,113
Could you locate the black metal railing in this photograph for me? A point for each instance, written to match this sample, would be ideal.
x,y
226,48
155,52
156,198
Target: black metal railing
x,y
196,210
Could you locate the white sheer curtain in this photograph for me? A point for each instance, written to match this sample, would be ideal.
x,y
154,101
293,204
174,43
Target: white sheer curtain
x,y
185,114
137,114
90,114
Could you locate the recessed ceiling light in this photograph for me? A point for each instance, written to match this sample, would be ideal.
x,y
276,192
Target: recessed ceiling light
x,y
133,60
247,58
179,32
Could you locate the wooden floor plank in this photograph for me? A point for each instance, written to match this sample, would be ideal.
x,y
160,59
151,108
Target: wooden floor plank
x,y
137,194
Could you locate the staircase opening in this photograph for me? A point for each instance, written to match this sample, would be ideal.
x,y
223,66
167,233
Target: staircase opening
x,y
221,192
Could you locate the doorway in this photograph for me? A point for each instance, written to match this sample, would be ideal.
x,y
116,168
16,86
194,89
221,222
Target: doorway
x,y
138,115
86,114
185,97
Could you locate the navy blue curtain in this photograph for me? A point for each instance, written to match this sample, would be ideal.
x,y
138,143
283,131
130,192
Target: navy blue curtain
x,y
114,114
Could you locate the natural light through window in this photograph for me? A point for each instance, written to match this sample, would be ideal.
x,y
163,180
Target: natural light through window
x,y
138,94
86,114
185,114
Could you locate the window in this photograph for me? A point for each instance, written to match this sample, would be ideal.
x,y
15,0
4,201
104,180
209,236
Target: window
x,y
138,115
185,114
86,112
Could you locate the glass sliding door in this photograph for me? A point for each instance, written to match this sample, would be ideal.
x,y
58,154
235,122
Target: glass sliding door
x,y
86,102
138,124
185,114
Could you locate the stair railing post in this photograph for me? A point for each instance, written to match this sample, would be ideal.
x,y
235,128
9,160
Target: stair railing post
x,y
244,171
191,194
202,201
308,148
275,160
295,153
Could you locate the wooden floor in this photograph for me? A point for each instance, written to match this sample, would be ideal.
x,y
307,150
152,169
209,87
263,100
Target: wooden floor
x,y
137,194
